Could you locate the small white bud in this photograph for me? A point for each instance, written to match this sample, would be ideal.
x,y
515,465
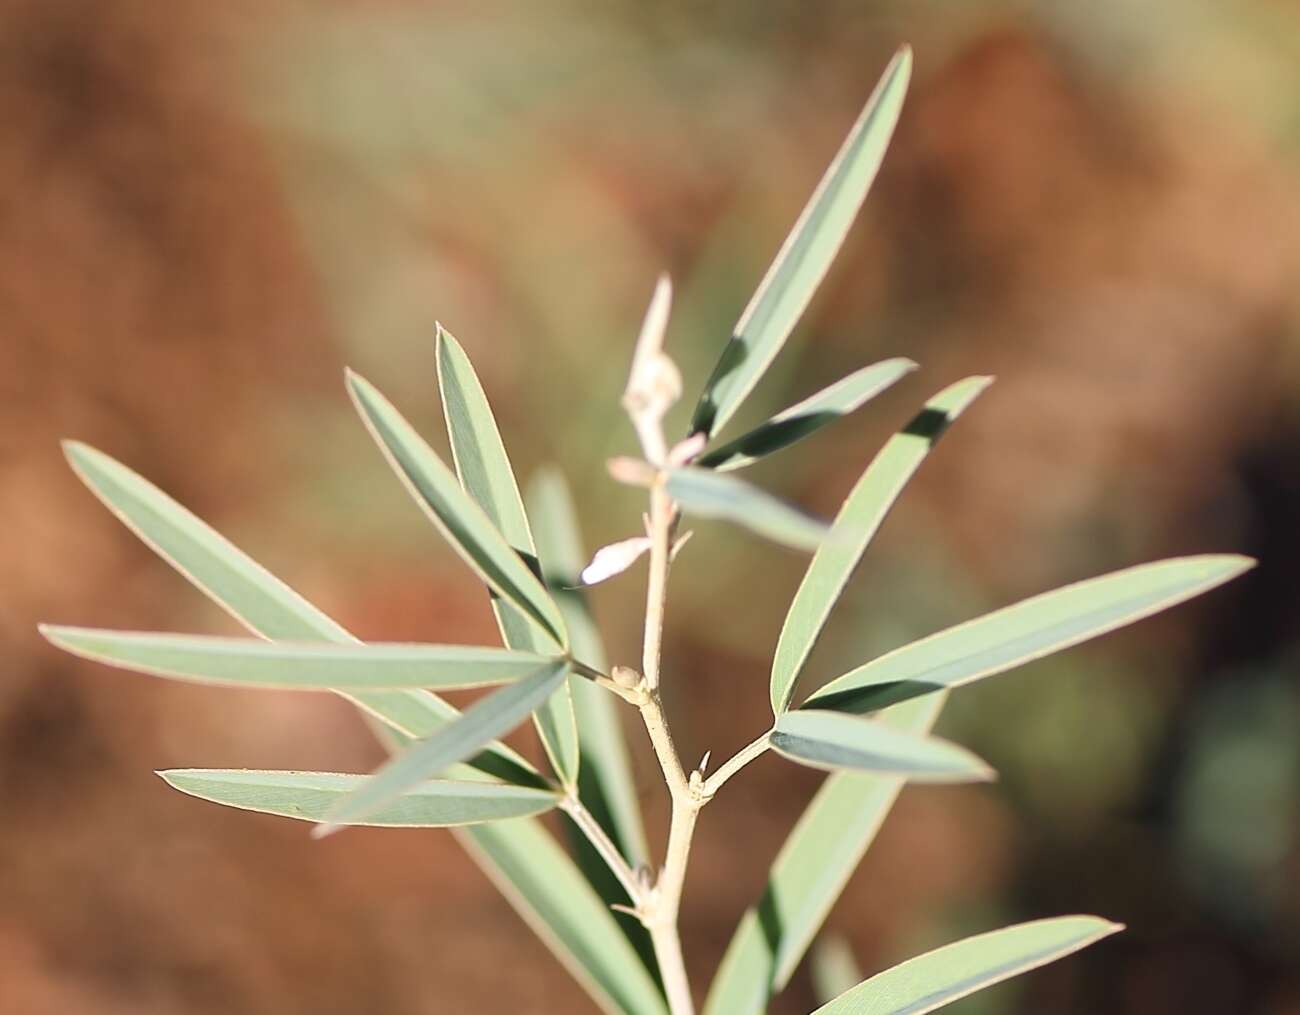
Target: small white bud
x,y
613,559
631,471
626,677
685,452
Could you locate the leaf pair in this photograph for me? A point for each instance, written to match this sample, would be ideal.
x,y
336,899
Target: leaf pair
x,y
766,323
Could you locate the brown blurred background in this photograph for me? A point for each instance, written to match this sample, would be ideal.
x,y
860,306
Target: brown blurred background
x,y
206,210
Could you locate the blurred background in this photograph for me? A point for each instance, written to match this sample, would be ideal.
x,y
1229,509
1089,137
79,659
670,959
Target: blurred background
x,y
206,210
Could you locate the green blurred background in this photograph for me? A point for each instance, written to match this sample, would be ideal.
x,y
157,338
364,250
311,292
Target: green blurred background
x,y
208,209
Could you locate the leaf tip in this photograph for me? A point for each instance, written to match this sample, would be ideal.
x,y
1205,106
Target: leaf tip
x,y
1237,563
74,450
55,634
444,342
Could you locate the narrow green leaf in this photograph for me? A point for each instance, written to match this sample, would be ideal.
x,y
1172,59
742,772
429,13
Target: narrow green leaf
x,y
606,784
308,796
807,417
296,665
1028,630
484,721
470,531
833,741
808,875
938,978
550,893
485,472
706,494
858,521
260,601
519,856
806,255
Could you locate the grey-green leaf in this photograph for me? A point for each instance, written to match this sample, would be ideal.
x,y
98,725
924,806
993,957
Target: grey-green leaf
x,y
707,494
257,599
606,784
468,529
857,522
807,417
935,979
487,476
308,796
550,893
833,741
808,875
247,662
1028,630
485,720
806,255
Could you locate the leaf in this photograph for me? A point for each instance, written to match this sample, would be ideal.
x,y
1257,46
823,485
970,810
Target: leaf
x,y
1028,630
938,978
308,796
806,255
807,417
486,475
709,495
545,887
539,880
605,782
858,521
470,531
257,599
808,875
303,666
485,720
832,740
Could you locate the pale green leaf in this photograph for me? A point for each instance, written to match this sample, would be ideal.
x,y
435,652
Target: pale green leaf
x,y
806,255
470,531
606,784
808,875
246,662
706,494
807,417
550,893
1028,630
486,474
857,522
935,979
833,741
485,720
260,601
308,796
